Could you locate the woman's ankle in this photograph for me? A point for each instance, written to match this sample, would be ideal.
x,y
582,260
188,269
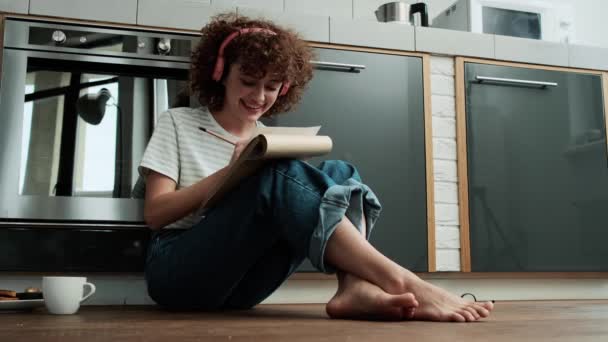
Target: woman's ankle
x,y
400,282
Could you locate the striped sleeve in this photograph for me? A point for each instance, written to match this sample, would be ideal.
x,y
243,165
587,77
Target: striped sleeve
x,y
161,154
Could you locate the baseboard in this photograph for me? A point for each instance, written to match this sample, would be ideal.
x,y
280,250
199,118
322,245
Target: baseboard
x,y
131,289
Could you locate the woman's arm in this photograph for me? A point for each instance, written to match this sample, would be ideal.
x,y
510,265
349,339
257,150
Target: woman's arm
x,y
164,205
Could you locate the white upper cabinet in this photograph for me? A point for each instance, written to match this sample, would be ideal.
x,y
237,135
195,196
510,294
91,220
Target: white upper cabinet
x,y
273,5
179,14
334,8
311,27
14,6
120,11
373,34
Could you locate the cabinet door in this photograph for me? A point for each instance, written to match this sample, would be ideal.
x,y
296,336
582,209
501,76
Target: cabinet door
x,y
375,117
120,11
537,168
14,6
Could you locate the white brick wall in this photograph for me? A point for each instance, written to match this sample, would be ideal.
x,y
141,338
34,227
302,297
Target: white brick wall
x,y
445,170
447,232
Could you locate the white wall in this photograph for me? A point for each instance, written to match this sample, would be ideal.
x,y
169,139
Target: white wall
x,y
590,21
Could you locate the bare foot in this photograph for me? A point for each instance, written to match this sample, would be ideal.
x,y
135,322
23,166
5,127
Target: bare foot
x,y
437,304
359,299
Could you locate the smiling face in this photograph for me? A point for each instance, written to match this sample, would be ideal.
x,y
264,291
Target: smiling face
x,y
247,97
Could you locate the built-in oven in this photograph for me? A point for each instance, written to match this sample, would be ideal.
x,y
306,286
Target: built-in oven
x,y
77,107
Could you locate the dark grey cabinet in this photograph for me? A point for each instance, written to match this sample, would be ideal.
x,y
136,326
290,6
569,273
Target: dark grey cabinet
x,y
537,169
375,117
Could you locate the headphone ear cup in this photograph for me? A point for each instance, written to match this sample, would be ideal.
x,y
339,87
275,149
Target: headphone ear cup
x,y
284,88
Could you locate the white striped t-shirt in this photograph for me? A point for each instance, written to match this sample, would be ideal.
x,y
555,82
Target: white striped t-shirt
x,y
179,150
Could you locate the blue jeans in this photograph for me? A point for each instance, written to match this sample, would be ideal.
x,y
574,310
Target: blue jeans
x,y
248,244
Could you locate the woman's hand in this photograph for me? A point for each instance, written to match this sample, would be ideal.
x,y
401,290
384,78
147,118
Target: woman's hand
x,y
238,149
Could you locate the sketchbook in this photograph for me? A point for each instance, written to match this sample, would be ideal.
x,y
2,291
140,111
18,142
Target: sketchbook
x,y
271,143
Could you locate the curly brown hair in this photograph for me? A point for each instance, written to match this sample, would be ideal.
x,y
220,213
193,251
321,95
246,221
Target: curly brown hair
x,y
285,54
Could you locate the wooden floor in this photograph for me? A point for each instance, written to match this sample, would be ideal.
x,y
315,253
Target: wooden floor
x,y
512,321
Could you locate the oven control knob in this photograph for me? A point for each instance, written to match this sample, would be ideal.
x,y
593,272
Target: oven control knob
x,y
164,46
58,37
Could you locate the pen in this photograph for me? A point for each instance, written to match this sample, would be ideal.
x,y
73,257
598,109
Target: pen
x,y
217,135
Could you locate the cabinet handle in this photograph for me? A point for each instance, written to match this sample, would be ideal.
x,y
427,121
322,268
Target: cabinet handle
x,y
512,81
351,67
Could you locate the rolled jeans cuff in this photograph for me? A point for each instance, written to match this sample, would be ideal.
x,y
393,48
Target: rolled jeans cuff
x,y
351,199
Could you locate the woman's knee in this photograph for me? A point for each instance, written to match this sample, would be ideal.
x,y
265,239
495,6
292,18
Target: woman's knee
x,y
337,163
339,170
286,164
333,168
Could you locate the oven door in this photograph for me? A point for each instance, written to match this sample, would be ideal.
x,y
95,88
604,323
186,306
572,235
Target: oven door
x,y
69,150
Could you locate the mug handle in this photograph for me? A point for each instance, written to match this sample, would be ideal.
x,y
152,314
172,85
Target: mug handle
x,y
91,291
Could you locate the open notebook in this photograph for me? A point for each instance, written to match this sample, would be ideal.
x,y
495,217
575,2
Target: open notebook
x,y
271,143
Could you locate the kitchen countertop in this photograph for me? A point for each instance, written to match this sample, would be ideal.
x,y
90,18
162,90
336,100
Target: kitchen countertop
x,y
366,33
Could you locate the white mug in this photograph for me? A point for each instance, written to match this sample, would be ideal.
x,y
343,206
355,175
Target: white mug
x,y
63,295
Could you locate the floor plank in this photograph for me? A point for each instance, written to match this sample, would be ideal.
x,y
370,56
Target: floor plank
x,y
511,321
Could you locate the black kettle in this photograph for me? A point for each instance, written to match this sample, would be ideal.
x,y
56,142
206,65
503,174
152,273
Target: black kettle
x,y
402,13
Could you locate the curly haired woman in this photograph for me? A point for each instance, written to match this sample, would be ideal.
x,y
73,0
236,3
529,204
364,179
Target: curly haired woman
x,y
235,254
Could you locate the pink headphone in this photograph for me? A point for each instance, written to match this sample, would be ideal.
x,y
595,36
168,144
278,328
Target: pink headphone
x,y
219,64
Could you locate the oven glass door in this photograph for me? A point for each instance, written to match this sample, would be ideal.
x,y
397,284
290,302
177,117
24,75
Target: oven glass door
x,y
74,130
